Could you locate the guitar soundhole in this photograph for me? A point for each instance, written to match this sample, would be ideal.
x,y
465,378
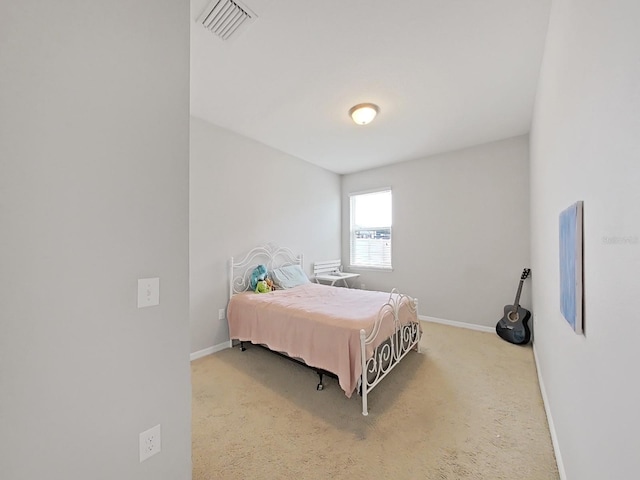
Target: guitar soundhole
x,y
513,316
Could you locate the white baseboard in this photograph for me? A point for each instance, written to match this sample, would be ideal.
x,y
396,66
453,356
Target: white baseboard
x,y
453,323
208,351
552,428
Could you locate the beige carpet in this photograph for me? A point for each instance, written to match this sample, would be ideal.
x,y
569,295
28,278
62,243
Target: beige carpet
x,y
467,407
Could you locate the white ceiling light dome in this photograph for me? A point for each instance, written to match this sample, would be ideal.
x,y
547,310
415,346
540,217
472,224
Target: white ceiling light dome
x,y
363,113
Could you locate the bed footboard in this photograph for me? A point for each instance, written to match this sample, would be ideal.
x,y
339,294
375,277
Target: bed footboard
x,y
404,338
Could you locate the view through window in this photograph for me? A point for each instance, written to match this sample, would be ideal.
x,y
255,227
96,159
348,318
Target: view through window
x,y
371,229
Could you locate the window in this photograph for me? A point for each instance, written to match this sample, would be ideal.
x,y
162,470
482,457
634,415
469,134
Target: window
x,y
371,229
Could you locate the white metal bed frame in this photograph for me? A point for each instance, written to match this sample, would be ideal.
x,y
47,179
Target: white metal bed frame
x,y
405,337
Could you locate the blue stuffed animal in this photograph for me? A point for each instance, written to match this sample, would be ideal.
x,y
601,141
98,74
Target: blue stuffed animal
x,y
259,274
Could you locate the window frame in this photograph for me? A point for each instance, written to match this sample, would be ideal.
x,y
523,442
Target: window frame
x,y
380,266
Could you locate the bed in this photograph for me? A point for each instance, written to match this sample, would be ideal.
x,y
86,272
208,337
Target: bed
x,y
358,336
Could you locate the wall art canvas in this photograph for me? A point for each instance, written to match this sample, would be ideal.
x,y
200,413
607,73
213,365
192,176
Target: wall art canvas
x,y
571,263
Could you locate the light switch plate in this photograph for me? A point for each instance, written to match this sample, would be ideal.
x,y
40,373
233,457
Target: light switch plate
x,y
148,292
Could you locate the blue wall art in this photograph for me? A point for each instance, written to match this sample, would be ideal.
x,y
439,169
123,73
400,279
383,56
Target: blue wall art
x,y
571,286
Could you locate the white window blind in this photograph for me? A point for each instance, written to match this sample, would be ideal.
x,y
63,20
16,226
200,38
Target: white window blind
x,y
370,242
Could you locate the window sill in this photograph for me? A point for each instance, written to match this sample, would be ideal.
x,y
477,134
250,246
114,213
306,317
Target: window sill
x,y
357,268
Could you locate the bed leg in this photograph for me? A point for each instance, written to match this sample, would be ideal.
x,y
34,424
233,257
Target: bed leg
x,y
320,385
242,347
365,408
363,376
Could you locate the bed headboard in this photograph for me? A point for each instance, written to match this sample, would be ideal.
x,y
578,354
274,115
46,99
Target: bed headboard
x,y
269,255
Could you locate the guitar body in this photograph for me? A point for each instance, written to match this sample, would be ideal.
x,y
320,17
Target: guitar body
x,y
514,325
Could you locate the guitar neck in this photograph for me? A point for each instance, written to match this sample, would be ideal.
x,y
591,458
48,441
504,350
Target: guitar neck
x,y
516,303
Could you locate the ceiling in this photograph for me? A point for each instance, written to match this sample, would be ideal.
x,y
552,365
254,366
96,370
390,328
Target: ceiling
x,y
446,74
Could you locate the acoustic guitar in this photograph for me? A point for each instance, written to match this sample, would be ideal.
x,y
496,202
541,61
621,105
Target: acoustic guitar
x,y
513,326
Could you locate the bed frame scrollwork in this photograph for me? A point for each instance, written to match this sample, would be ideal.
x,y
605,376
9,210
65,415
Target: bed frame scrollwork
x,y
405,337
269,255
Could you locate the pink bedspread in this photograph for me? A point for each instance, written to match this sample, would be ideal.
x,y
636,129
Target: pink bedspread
x,y
317,323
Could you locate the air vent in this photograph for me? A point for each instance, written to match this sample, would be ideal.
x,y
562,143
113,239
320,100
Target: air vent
x,y
226,18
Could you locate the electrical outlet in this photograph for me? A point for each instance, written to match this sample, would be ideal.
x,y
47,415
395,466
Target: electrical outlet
x,y
221,314
362,286
150,443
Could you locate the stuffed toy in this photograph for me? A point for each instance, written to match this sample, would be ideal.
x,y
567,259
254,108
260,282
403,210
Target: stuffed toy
x,y
262,287
259,274
272,287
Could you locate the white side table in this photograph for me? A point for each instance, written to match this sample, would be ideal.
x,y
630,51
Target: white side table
x,y
334,277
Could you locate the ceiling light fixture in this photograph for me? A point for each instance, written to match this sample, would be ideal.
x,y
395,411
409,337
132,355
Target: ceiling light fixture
x,y
363,113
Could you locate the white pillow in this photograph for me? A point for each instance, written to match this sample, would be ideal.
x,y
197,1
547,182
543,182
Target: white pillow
x,y
289,276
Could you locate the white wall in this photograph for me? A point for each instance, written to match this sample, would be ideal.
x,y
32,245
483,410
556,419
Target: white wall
x,y
460,229
243,194
585,146
94,118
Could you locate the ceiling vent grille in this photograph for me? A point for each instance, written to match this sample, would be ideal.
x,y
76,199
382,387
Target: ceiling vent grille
x,y
226,18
